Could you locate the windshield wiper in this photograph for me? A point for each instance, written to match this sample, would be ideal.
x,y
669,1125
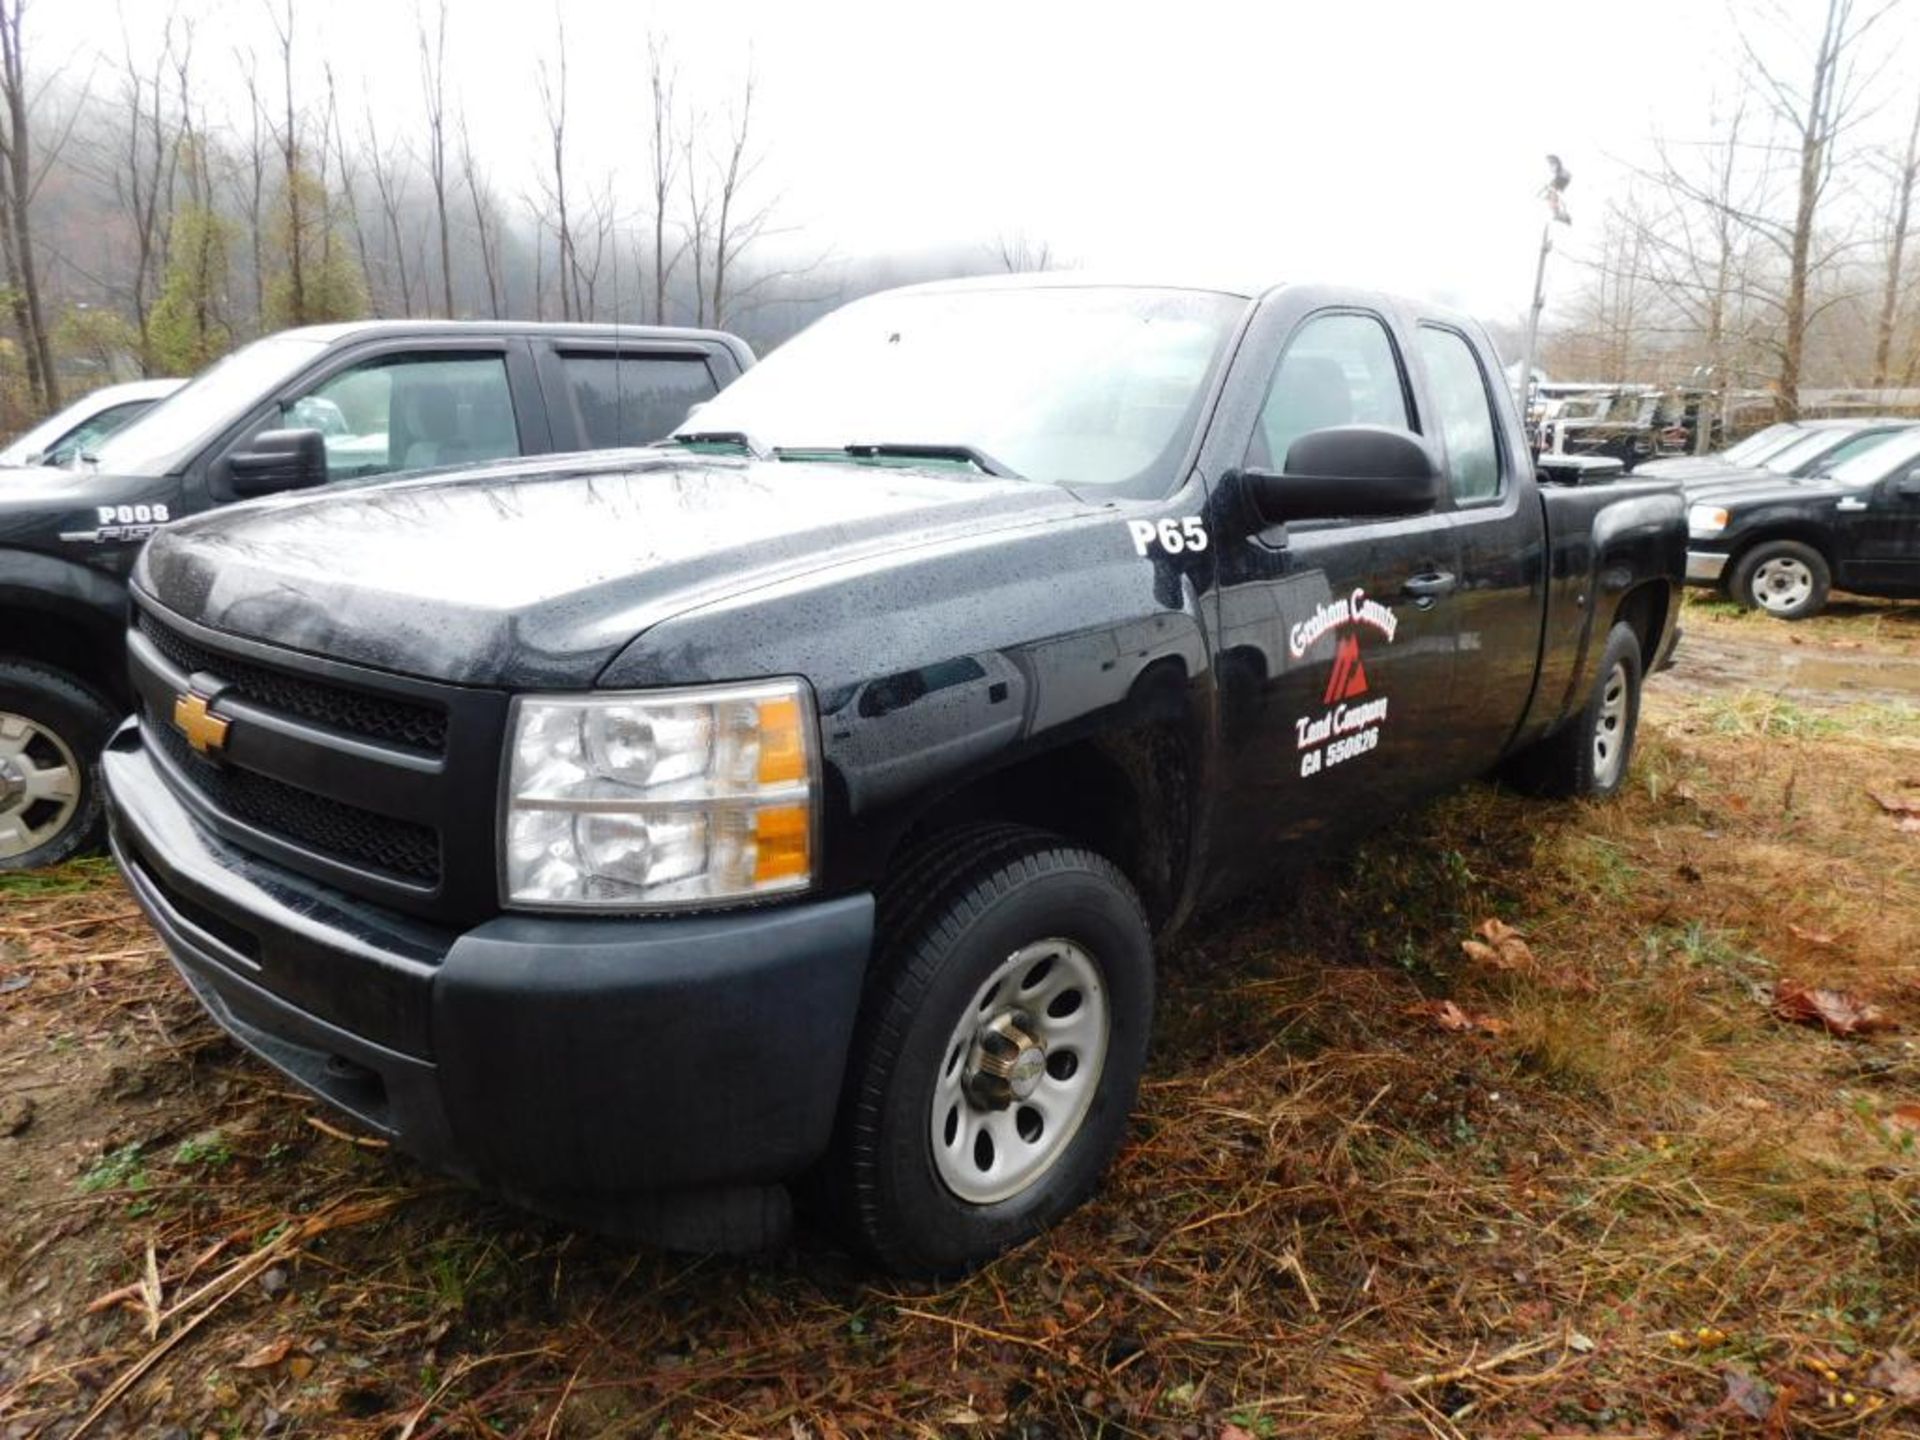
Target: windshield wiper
x,y
729,439
967,454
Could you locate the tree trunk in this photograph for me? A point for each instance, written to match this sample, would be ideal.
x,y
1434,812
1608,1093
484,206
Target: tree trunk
x,y
20,191
1896,255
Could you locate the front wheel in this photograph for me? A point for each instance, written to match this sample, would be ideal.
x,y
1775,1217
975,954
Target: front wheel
x,y
998,1052
1788,580
52,729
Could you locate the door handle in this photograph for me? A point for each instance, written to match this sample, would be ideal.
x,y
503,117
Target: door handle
x,y
1430,586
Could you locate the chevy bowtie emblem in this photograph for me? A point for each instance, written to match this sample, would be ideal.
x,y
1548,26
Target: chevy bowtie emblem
x,y
205,731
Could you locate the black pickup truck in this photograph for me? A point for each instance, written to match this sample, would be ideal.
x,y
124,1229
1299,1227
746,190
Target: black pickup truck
x,y
638,834
293,410
1781,543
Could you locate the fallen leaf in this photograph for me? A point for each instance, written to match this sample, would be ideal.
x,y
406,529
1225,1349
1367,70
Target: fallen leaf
x,y
1812,937
1449,1016
1906,1118
1500,945
1897,1375
300,1366
267,1356
1751,1397
1897,804
1839,1012
1908,824
1231,1431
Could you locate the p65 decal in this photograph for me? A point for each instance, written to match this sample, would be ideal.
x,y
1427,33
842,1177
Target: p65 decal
x,y
1175,537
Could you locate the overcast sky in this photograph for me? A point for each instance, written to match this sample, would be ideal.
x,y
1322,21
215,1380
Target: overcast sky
x,y
1398,144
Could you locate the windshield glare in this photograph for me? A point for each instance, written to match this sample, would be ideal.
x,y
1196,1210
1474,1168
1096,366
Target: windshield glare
x,y
1810,447
1873,465
1075,385
159,439
1762,443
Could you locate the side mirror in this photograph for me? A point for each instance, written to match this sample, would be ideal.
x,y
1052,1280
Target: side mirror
x,y
277,460
1349,472
1908,488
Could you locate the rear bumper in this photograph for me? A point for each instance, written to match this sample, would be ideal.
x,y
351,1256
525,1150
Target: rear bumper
x,y
551,1058
1704,567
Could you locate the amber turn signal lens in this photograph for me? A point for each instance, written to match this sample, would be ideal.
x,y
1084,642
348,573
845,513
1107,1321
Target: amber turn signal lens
x,y
783,755
782,843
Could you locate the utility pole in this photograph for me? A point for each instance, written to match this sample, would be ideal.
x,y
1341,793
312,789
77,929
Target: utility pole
x,y
1556,186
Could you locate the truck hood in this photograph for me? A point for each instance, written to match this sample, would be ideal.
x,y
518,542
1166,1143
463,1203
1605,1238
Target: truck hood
x,y
535,575
1753,487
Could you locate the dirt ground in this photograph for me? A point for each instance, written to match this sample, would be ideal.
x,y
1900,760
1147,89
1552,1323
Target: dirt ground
x,y
1595,1179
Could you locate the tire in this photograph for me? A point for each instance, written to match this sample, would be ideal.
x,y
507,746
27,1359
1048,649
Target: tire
x,y
1589,756
1012,998
52,730
1784,578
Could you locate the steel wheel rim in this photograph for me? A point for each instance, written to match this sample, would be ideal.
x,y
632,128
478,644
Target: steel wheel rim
x,y
990,1140
39,785
1610,727
1782,583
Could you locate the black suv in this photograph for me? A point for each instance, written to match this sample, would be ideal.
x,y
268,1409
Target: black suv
x,y
297,409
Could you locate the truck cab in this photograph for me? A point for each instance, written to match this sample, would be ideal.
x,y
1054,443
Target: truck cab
x,y
640,835
294,410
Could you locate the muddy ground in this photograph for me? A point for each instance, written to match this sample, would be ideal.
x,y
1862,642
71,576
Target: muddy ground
x,y
1618,1188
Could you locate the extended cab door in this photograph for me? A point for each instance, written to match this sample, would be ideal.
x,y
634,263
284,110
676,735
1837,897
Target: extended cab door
x,y
1335,639
605,393
1501,538
395,406
1878,531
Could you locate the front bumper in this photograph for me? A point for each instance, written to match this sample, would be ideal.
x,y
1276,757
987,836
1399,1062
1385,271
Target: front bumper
x,y
1704,567
567,1062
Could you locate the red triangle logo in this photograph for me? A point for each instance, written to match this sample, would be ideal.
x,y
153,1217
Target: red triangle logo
x,y
1349,677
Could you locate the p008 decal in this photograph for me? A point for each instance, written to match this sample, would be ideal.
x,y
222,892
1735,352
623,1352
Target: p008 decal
x,y
120,524
1351,717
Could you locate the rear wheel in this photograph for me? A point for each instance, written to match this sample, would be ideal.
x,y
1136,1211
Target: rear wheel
x,y
52,729
998,1052
1589,755
1785,578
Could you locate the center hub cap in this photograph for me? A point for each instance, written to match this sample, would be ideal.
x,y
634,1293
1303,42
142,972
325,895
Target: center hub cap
x,y
1009,1060
13,785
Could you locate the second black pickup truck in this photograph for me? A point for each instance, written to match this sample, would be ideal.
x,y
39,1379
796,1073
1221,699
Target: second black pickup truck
x,y
294,410
639,834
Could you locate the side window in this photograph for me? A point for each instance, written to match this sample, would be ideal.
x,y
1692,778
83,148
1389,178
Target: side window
x,y
406,412
1464,410
635,399
90,432
1847,449
1339,369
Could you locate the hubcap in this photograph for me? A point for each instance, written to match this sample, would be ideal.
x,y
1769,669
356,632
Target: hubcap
x,y
39,785
1610,730
1019,1072
1782,583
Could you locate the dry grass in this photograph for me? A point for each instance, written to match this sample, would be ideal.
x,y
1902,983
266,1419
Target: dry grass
x,y
1333,1218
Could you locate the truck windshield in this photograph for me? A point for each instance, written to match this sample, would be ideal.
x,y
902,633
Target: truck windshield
x,y
1762,443
1874,465
163,439
1075,385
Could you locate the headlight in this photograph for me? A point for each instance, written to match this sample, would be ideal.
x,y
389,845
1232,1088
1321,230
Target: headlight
x,y
660,798
1706,520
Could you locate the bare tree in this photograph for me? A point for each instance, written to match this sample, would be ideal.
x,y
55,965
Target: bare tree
x,y
433,82
1016,252
345,161
256,177
1905,179
486,220
145,177
552,84
389,184
1815,113
664,154
16,152
288,138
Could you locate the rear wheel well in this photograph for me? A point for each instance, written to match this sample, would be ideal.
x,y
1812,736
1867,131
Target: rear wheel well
x,y
67,645
1125,795
1645,609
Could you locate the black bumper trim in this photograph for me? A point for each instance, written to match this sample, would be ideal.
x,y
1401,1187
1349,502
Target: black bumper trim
x,y
547,1056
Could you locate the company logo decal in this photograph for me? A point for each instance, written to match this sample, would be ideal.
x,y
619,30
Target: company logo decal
x,y
1350,720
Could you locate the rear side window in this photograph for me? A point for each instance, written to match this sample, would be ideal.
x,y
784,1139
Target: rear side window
x,y
1339,369
635,399
1465,412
